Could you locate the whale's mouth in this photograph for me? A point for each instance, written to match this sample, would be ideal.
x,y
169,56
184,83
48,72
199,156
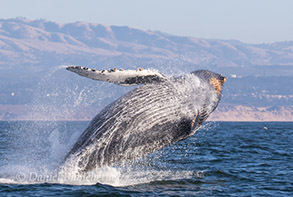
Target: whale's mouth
x,y
218,83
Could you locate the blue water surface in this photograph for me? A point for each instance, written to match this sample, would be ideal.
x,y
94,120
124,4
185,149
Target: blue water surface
x,y
221,159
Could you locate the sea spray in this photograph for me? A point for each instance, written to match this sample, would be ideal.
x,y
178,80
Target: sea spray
x,y
38,166
41,145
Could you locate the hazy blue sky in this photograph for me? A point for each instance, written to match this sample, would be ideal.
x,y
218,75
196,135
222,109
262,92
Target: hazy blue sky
x,y
252,21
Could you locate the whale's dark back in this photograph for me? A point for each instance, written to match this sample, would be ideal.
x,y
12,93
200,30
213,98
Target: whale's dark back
x,y
144,120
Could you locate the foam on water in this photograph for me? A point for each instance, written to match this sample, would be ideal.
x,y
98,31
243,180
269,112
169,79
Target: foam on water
x,y
40,147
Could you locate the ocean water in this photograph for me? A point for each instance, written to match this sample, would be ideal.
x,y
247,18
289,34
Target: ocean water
x,y
221,159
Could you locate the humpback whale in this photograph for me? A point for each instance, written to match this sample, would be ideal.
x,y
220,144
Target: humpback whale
x,y
160,111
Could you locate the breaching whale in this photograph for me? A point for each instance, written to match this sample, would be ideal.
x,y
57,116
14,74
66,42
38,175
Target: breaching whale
x,y
161,111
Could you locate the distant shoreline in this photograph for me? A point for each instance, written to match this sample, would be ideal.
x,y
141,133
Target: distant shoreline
x,y
237,113
90,120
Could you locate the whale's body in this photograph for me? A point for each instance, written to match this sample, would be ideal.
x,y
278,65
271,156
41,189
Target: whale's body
x,y
150,117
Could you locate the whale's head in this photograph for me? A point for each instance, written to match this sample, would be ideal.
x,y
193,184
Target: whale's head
x,y
214,79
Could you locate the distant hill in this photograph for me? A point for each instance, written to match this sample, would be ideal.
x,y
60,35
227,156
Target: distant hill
x,y
41,44
259,75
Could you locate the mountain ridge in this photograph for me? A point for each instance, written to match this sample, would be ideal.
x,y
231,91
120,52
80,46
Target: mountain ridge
x,y
38,37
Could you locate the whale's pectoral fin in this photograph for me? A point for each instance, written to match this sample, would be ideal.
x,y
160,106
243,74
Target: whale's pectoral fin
x,y
121,77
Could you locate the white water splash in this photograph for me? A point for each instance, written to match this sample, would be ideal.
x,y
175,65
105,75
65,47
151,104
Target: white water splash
x,y
64,100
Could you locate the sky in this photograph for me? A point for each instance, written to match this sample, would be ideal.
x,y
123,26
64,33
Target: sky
x,y
250,21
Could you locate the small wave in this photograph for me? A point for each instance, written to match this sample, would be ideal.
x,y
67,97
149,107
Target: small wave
x,y
114,176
